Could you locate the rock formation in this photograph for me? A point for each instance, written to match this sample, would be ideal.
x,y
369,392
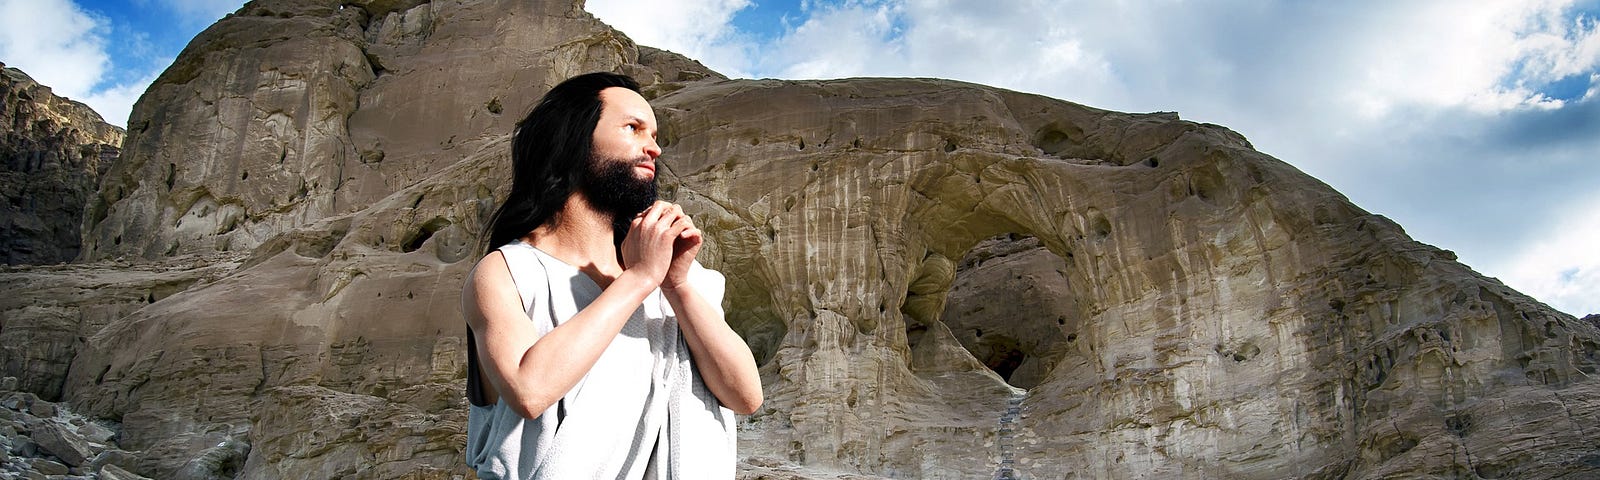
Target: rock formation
x,y
52,153
905,257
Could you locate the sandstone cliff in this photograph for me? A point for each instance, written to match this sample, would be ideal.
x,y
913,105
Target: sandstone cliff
x,y
52,153
905,256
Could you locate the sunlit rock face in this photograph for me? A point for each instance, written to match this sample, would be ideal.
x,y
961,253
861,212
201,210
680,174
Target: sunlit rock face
x,y
338,159
1177,304
52,153
904,256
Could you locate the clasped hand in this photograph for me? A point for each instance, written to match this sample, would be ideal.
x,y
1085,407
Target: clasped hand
x,y
662,243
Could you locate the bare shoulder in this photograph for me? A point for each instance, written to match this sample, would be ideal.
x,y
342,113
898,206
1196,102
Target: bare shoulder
x,y
491,270
489,279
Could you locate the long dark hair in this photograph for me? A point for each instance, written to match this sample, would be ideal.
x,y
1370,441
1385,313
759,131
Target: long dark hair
x,y
549,153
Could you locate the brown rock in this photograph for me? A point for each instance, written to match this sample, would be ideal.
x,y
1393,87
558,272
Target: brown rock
x,y
1205,310
42,409
325,109
113,472
121,459
322,433
65,444
48,467
94,432
52,153
18,401
53,308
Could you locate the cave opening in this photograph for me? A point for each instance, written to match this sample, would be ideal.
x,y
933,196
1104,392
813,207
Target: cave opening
x,y
1012,306
416,238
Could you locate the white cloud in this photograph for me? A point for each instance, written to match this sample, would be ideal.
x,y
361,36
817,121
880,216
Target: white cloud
x,y
699,29
64,47
114,104
56,43
842,40
1562,267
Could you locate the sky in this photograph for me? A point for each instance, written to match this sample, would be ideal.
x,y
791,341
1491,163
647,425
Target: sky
x,y
1474,124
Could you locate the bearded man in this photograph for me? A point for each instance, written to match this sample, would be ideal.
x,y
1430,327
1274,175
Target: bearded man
x,y
596,344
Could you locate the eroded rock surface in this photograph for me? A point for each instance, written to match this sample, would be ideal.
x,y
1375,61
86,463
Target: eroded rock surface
x,y
1197,309
52,153
49,310
1175,303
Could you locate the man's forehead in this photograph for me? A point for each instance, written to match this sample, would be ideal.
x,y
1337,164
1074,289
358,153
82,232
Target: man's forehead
x,y
622,101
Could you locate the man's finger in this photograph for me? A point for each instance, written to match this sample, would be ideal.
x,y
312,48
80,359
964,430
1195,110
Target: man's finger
x,y
653,214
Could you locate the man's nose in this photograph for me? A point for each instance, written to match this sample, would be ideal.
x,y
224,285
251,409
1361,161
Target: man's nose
x,y
652,149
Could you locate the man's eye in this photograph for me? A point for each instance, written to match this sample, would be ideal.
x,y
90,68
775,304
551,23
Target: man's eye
x,y
630,127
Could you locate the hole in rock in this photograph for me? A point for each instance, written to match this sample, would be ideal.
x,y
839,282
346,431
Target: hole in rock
x,y
1011,305
1459,424
421,235
1099,224
1053,141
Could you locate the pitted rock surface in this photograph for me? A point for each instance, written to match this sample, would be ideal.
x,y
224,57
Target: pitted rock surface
x,y
1176,303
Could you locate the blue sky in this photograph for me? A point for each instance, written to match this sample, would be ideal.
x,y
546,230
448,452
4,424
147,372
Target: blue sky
x,y
1475,124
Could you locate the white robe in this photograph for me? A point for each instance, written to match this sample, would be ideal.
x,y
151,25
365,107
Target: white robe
x,y
642,411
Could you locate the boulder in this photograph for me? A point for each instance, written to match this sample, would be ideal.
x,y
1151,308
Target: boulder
x,y
65,444
42,409
113,472
48,467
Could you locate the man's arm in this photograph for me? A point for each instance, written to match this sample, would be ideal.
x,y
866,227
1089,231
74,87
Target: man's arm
x,y
723,359
721,356
530,372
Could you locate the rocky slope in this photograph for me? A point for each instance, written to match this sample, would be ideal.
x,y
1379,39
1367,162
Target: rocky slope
x,y
41,439
905,256
52,153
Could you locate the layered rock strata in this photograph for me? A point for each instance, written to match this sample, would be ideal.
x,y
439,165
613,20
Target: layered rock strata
x,y
52,153
1175,303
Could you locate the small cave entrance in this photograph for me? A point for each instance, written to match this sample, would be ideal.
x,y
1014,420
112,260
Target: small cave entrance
x,y
1011,305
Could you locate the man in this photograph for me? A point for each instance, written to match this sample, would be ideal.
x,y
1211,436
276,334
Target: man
x,y
596,343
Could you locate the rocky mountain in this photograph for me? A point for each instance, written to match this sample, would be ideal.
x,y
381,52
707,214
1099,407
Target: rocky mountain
x,y
939,279
52,153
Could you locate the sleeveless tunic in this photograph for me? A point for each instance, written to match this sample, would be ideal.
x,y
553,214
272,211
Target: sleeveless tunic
x,y
642,411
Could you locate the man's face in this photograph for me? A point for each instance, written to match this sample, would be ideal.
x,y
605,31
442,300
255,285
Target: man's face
x,y
621,176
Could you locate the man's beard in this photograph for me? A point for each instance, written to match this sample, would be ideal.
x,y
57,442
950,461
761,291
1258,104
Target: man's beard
x,y
611,186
